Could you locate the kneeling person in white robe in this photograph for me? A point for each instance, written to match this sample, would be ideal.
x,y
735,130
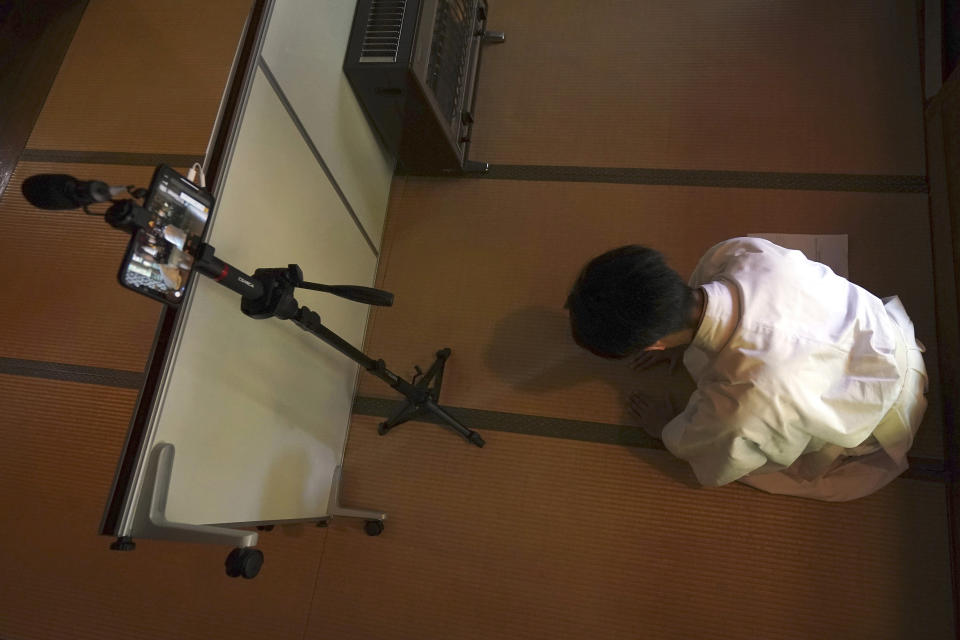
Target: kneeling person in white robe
x,y
807,384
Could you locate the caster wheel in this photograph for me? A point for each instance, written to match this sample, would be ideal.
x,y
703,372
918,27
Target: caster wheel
x,y
265,527
244,562
323,524
373,527
382,428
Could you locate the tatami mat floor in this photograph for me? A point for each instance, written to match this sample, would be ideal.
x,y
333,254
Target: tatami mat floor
x,y
532,536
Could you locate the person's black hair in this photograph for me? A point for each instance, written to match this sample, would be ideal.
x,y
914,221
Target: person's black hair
x,y
627,299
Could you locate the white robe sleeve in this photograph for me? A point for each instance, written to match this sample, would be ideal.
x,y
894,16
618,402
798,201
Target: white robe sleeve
x,y
724,438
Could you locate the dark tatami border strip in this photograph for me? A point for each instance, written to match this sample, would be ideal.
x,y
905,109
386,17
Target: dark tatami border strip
x,y
705,178
109,157
862,183
929,469
524,424
71,373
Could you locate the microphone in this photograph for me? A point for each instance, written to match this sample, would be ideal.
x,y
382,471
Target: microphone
x,y
60,191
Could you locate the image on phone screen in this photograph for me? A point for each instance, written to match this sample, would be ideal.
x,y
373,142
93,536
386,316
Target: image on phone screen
x,y
159,261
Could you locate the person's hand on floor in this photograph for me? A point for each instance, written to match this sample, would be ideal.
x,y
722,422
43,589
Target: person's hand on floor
x,y
648,359
653,412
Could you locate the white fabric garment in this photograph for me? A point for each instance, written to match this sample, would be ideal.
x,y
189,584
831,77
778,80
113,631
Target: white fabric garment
x,y
791,359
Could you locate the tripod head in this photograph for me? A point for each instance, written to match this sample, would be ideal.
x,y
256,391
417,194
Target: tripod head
x,y
279,285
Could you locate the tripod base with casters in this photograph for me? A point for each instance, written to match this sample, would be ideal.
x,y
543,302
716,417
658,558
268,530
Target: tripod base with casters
x,y
423,399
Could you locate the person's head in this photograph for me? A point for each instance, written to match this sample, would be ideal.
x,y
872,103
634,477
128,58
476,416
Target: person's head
x,y
628,300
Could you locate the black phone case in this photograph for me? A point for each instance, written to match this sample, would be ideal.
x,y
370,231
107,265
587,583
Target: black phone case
x,y
158,173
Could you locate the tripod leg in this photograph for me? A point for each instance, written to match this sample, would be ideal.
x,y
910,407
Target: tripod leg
x,y
435,372
441,362
405,414
471,436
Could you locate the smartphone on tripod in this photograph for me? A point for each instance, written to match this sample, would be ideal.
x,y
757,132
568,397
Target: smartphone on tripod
x,y
159,260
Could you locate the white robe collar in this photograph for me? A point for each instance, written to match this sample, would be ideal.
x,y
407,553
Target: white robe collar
x,y
720,317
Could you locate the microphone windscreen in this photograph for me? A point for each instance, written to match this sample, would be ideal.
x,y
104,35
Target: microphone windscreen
x,y
50,191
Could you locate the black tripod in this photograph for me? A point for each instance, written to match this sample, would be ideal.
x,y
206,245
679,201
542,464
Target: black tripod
x,y
269,293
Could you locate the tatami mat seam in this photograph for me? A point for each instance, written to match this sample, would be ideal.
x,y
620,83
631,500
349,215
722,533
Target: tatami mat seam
x,y
101,376
927,469
846,182
67,156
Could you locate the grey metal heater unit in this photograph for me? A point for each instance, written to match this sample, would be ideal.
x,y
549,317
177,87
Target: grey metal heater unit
x,y
413,65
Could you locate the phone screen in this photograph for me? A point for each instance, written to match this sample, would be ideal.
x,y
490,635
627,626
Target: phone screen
x,y
159,261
